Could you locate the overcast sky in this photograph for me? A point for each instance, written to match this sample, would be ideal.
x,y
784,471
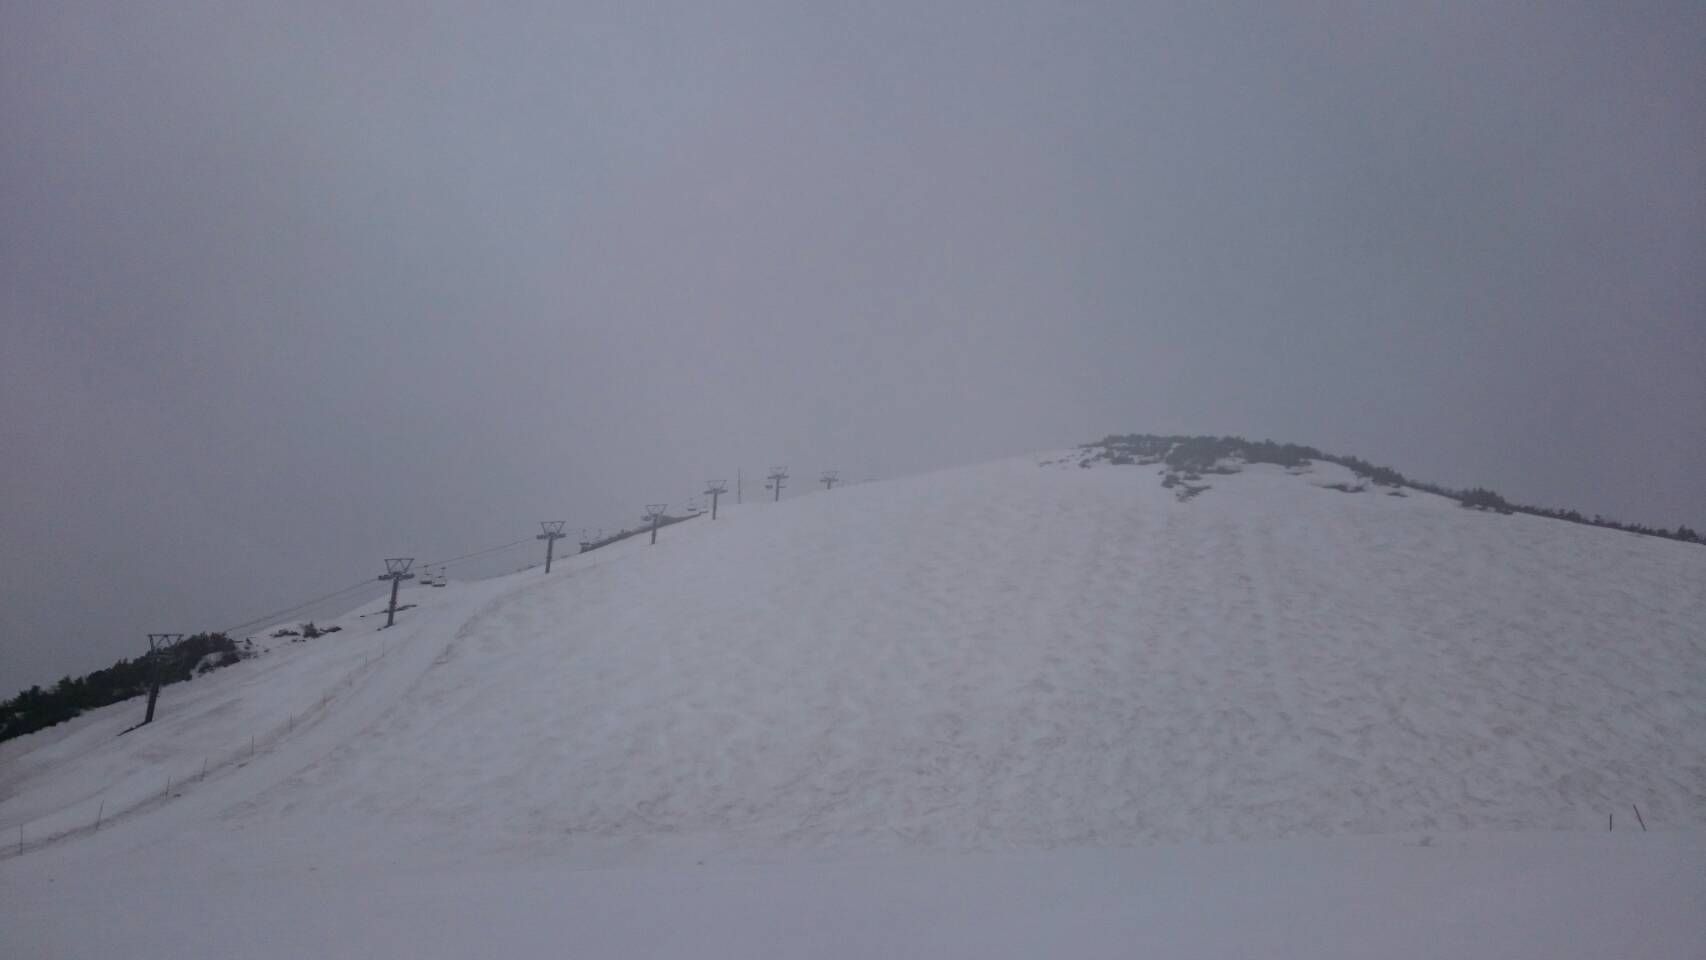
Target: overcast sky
x,y
286,288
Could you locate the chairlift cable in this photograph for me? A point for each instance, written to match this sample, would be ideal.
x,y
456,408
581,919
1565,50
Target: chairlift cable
x,y
357,586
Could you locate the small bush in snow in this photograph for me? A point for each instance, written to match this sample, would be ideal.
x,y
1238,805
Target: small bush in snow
x,y
1481,498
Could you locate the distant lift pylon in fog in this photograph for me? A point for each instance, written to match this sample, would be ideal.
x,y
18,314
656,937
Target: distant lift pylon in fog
x,y
553,532
654,514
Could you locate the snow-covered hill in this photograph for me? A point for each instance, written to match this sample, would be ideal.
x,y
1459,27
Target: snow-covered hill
x,y
1020,656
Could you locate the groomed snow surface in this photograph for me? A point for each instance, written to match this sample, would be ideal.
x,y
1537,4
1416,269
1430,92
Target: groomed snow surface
x,y
1018,709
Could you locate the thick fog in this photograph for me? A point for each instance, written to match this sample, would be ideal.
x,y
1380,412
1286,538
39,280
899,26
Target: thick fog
x,y
289,288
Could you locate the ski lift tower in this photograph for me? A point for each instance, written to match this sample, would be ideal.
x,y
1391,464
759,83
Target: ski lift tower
x,y
778,479
158,644
829,479
396,571
654,514
553,532
715,489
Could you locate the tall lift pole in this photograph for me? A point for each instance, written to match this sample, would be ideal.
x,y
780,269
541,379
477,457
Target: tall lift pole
x,y
778,479
715,489
396,571
829,479
654,513
158,644
553,532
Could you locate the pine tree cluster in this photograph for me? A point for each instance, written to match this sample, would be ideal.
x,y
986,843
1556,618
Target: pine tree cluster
x,y
36,708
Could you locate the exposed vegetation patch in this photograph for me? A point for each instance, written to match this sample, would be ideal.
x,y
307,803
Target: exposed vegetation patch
x,y
1189,456
310,632
1179,485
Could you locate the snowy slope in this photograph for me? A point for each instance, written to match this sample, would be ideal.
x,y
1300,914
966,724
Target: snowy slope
x,y
233,732
1552,897
1009,657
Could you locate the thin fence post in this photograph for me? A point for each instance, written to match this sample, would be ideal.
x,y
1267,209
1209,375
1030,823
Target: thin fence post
x,y
1639,819
203,768
99,813
168,786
